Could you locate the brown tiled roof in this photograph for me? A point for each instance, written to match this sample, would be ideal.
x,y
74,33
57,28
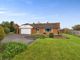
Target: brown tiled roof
x,y
45,25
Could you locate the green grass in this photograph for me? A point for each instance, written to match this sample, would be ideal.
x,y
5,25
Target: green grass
x,y
0,56
9,50
52,49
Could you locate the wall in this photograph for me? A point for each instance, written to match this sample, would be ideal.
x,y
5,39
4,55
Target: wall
x,y
42,30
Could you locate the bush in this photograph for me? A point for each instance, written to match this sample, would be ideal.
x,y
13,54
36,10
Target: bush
x,y
6,30
51,35
66,31
41,36
2,33
76,27
11,49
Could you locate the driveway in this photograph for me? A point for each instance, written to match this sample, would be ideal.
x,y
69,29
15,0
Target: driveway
x,y
27,39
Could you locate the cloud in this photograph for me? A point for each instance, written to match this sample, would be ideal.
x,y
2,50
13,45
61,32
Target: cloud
x,y
16,14
8,13
2,12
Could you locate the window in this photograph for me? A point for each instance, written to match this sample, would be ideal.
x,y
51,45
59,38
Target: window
x,y
37,29
48,29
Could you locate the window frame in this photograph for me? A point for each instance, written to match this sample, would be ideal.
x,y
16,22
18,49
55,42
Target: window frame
x,y
48,29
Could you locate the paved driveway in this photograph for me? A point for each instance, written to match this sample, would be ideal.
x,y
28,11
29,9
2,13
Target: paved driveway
x,y
18,38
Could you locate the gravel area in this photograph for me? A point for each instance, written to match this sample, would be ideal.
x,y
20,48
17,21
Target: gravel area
x,y
27,39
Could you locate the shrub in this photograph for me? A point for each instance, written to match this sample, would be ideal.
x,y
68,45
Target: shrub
x,y
6,30
11,49
41,36
51,35
66,31
2,33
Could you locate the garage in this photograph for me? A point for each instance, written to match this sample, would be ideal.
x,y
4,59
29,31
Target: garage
x,y
25,29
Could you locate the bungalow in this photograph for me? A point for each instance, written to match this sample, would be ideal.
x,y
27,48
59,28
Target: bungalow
x,y
40,28
75,32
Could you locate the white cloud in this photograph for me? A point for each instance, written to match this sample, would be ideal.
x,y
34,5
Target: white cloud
x,y
2,8
16,14
8,13
2,12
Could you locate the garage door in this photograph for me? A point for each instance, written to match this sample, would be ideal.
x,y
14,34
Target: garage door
x,y
25,31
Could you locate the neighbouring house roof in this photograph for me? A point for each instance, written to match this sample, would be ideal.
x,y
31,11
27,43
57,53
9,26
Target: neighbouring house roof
x,y
26,26
16,25
45,25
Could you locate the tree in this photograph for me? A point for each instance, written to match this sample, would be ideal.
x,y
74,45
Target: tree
x,y
6,30
76,27
12,28
2,33
66,30
5,24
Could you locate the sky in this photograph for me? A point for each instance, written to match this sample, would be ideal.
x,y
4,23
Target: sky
x,y
67,12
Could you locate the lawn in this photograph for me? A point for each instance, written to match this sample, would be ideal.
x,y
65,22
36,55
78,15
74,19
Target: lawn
x,y
52,49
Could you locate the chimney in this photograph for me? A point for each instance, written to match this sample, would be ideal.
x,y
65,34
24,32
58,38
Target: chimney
x,y
38,22
33,23
47,22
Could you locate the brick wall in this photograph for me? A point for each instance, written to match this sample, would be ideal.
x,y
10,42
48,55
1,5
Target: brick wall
x,y
42,30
